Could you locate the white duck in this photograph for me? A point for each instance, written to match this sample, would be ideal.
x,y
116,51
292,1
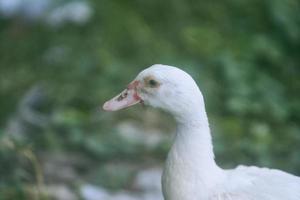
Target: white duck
x,y
191,172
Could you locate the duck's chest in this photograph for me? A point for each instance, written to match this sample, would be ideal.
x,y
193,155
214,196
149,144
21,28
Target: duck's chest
x,y
179,180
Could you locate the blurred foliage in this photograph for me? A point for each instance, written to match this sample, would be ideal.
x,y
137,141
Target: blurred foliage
x,y
243,54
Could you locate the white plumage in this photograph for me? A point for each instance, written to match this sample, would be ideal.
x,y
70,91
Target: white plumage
x,y
191,172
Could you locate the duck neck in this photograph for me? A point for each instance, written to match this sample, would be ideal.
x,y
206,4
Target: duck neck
x,y
192,150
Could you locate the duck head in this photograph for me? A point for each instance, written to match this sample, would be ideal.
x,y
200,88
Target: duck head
x,y
161,86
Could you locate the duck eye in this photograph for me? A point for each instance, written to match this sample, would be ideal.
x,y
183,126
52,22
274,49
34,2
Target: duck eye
x,y
152,83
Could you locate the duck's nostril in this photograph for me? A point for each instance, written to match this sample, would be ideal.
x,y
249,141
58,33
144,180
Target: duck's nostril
x,y
122,95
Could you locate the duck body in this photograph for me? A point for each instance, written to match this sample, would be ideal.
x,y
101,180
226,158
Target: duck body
x,y
191,172
187,173
185,177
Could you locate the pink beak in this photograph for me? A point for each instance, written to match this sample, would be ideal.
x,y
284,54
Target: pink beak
x,y
126,98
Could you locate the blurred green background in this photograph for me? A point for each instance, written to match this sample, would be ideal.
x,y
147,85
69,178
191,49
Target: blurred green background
x,y
61,59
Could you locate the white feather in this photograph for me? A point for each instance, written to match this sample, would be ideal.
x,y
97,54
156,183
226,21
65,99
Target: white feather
x,y
191,172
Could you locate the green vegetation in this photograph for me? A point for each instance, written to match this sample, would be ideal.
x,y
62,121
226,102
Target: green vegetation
x,y
245,56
